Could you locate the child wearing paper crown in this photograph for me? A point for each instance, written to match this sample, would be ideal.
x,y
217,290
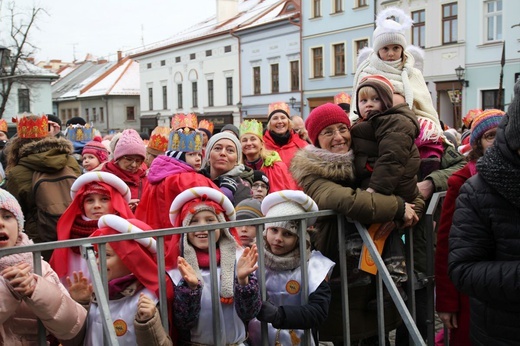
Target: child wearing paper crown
x,y
283,311
392,58
94,194
168,176
238,287
27,297
94,154
133,287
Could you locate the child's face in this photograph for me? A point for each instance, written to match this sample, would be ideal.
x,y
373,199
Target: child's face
x,y
115,267
96,205
8,229
281,241
200,239
90,162
259,189
392,52
194,159
251,146
247,235
369,101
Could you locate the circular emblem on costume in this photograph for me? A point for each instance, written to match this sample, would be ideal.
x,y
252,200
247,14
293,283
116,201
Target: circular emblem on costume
x,y
292,287
120,327
369,261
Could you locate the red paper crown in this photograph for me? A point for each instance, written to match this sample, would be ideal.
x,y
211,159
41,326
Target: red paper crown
x,y
208,125
470,116
159,138
32,126
181,121
3,125
342,97
279,106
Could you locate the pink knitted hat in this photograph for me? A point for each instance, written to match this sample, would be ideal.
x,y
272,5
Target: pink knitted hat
x,y
9,202
96,148
130,143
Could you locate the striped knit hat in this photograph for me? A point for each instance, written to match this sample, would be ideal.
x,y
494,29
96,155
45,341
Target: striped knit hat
x,y
488,119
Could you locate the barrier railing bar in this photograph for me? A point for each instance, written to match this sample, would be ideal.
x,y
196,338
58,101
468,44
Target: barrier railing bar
x,y
304,265
37,267
161,273
261,275
215,299
408,236
343,274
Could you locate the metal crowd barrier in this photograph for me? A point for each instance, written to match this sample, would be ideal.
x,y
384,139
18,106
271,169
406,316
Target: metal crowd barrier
x,y
99,277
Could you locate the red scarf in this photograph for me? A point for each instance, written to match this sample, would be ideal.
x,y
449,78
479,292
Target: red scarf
x,y
203,257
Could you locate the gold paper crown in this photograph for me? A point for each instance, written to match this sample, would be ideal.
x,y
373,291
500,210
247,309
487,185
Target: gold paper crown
x,y
470,116
159,138
187,142
252,126
342,97
208,125
32,126
3,125
78,133
279,106
181,121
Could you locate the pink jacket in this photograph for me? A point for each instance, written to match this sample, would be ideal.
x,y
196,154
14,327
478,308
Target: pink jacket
x,y
50,302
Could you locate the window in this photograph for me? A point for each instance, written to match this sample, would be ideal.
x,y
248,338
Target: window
x,y
360,45
87,116
449,23
339,59
149,65
130,113
229,90
209,52
63,116
210,93
76,112
317,62
227,49
150,98
69,114
194,94
24,104
361,3
163,62
256,80
164,97
316,8
338,6
179,95
94,118
192,56
101,114
489,99
418,28
295,75
177,59
275,83
493,18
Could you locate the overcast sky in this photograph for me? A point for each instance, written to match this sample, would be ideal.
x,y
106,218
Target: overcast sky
x,y
73,28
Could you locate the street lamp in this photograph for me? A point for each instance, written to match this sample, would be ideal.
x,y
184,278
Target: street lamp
x,y
459,71
292,101
239,106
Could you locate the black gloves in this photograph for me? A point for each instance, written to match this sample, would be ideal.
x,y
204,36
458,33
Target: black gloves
x,y
227,182
270,313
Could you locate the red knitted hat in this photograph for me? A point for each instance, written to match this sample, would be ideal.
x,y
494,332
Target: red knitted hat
x,y
96,148
323,116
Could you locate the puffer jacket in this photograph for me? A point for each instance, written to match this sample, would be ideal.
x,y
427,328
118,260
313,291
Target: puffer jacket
x,y
50,302
484,240
49,154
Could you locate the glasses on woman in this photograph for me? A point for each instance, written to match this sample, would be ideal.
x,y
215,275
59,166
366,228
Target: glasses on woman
x,y
329,132
130,160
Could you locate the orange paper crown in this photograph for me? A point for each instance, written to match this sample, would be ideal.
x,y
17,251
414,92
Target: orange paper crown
x,y
159,138
279,106
470,116
342,97
32,126
252,126
180,121
208,125
3,125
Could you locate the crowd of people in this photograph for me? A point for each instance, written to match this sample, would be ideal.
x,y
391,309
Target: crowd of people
x,y
376,158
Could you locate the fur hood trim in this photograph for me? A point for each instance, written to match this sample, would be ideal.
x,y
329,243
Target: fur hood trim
x,y
62,144
322,163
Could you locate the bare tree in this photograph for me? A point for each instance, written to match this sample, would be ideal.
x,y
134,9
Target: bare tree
x,y
21,24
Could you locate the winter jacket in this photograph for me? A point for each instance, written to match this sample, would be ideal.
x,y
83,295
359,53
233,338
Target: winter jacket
x,y
276,170
288,150
448,298
484,258
49,154
51,303
151,332
386,157
136,181
241,191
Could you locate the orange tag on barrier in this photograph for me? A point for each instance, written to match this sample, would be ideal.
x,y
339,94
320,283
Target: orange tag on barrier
x,y
367,264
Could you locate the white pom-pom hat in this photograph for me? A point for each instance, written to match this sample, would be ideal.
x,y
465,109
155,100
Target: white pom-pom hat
x,y
388,31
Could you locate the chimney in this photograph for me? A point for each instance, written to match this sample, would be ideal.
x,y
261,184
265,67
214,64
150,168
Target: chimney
x,y
226,9
119,55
